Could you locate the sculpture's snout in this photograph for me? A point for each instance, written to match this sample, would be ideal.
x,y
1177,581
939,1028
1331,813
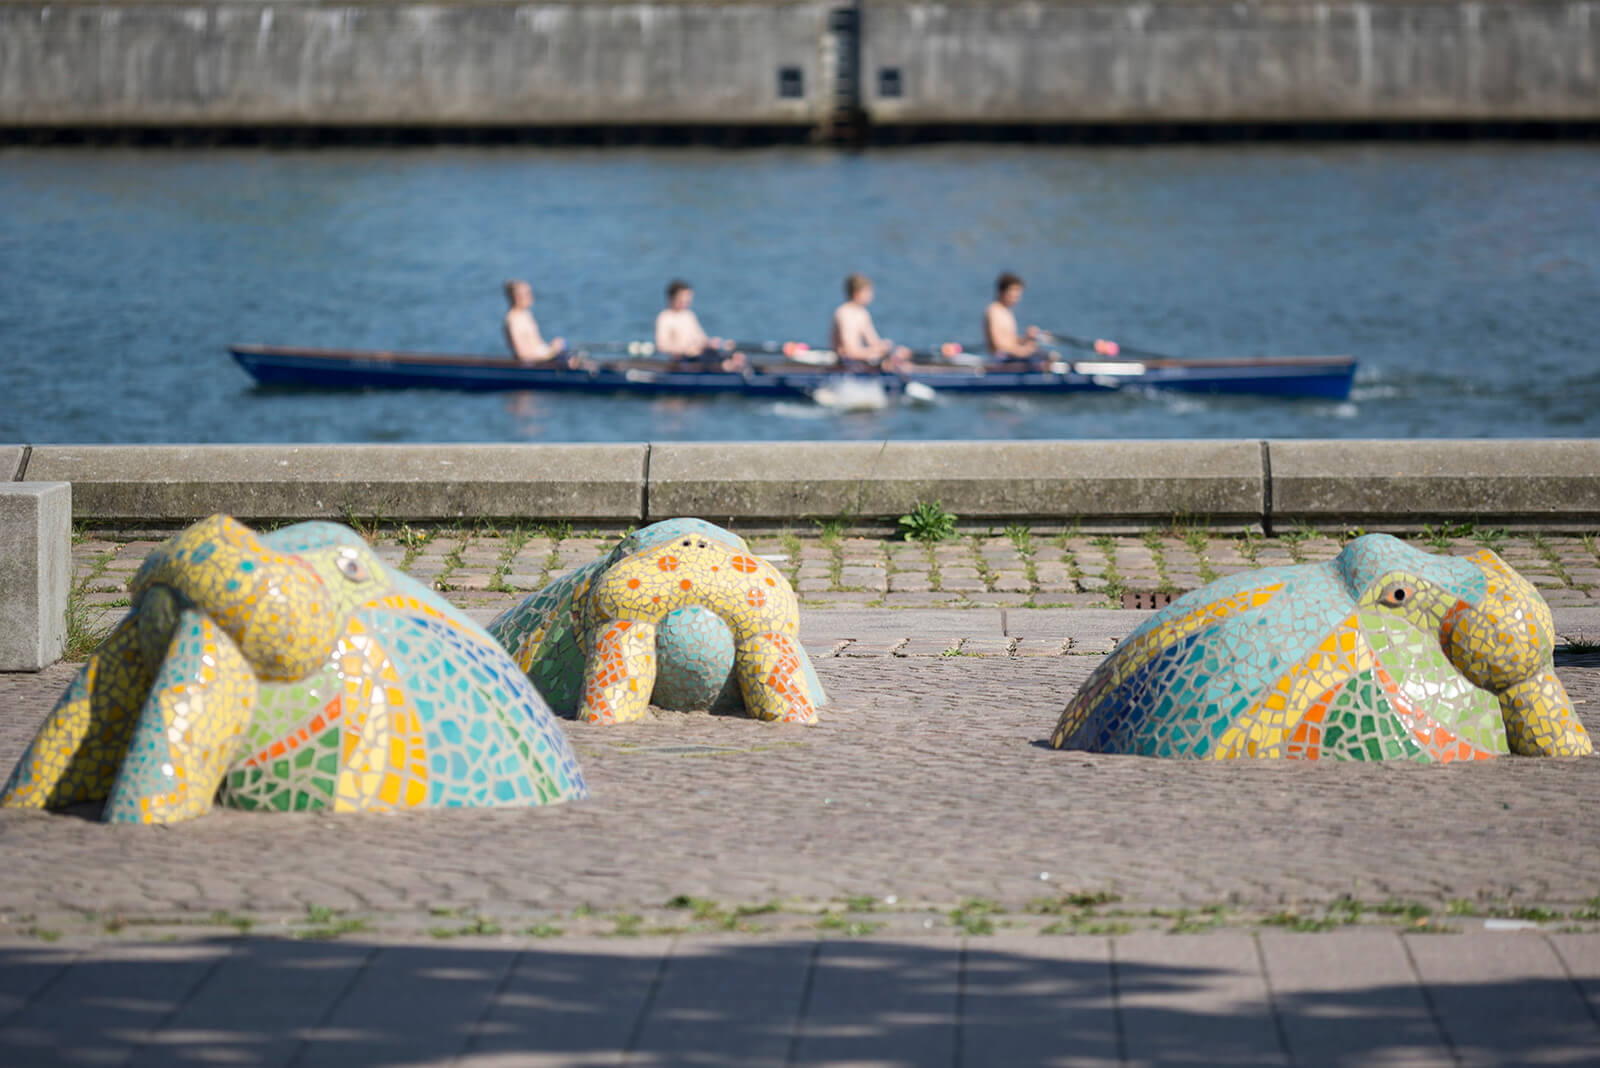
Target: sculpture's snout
x,y
1506,644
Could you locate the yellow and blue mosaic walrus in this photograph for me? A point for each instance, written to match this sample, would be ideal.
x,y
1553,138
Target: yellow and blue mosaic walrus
x,y
1383,653
291,671
680,614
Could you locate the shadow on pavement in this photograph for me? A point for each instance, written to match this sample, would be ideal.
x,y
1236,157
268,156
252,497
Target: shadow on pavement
x,y
268,1001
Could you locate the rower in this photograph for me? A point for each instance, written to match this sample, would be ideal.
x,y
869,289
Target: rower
x,y
680,337
1000,325
522,332
856,341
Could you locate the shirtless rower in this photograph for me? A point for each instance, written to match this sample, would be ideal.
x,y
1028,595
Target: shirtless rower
x,y
680,336
522,333
855,339
1000,323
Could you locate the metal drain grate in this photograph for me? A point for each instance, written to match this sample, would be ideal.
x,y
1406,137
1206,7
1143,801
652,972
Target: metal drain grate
x,y
1149,598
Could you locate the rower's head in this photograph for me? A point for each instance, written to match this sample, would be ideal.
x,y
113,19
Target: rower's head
x,y
680,294
519,293
1008,289
858,287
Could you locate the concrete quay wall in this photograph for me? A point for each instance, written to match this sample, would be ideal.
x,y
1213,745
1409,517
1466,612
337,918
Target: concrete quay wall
x,y
1182,61
480,63
1398,486
375,64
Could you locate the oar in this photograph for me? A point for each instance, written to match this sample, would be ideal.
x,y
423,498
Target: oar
x,y
1101,347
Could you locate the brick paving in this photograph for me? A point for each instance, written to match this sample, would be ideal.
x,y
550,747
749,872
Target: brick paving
x,y
926,786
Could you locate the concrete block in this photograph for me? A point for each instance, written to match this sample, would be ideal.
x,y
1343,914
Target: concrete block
x,y
1400,485
1130,481
181,483
11,461
35,573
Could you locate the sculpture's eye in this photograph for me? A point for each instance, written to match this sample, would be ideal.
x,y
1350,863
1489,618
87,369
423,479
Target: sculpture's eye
x,y
702,545
351,567
685,543
1397,595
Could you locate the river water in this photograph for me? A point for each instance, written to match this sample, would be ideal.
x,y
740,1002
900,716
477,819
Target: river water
x,y
1463,276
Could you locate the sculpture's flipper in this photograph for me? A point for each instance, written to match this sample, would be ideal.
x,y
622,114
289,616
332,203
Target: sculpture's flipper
x,y
620,673
75,755
1540,720
190,725
773,678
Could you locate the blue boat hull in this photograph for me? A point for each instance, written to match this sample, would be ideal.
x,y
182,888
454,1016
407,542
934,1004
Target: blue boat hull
x,y
1328,378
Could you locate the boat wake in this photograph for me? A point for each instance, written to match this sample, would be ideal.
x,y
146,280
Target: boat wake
x,y
849,393
795,410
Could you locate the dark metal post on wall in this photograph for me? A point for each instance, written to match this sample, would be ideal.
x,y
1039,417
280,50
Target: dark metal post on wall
x,y
847,121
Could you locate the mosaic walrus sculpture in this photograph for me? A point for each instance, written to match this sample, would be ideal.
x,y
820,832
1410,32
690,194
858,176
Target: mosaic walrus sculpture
x,y
1382,653
291,671
681,614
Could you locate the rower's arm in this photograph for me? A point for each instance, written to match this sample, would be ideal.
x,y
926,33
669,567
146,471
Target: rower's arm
x,y
696,339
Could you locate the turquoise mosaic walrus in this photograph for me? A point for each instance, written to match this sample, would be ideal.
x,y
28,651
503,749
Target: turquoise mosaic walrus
x,y
1383,653
287,672
681,614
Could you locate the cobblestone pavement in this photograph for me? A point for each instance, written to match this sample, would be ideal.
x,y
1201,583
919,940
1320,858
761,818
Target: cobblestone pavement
x,y
494,568
924,801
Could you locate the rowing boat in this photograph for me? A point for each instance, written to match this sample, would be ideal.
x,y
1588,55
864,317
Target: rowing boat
x,y
1326,377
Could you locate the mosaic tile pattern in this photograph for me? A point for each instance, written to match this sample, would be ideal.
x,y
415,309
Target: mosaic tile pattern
x,y
681,614
1383,653
291,672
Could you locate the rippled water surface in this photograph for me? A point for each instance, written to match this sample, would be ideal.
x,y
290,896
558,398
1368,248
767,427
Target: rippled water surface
x,y
1464,277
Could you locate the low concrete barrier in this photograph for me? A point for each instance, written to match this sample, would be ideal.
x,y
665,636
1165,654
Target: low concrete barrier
x,y
1132,482
1392,485
175,484
1540,483
35,573
11,457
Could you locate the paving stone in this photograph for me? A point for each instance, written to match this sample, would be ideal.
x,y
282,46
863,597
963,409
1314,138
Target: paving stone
x,y
913,598
106,1004
1030,1000
408,1004
718,1003
1580,955
1498,1000
881,1003
1035,647
256,1004
576,1000
927,646
1350,1000
1205,992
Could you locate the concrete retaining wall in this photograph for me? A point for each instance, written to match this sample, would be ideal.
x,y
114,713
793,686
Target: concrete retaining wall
x,y
1388,485
543,64
233,63
1207,62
